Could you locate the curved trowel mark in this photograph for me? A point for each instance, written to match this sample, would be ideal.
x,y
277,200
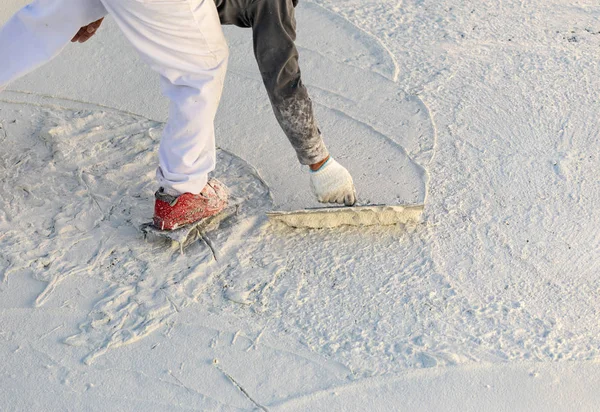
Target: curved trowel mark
x,y
333,35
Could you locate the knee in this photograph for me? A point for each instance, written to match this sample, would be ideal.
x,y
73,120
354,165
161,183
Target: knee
x,y
220,57
224,56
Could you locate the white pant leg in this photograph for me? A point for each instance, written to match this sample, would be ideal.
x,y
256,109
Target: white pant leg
x,y
183,41
39,31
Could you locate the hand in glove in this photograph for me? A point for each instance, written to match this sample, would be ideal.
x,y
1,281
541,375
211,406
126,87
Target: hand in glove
x,y
332,183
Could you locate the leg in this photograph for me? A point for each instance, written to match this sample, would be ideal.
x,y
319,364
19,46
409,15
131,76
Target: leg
x,y
39,31
183,41
274,31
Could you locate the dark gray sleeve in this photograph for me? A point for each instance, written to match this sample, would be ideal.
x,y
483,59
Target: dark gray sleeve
x,y
273,24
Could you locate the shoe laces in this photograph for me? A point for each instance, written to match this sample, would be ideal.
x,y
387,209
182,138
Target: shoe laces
x,y
165,197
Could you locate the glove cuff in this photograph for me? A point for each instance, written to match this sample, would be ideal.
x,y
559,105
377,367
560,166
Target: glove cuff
x,y
330,159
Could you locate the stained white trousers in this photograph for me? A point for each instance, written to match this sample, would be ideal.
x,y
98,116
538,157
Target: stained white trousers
x,y
182,40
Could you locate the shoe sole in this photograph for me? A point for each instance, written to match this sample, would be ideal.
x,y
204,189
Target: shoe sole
x,y
187,234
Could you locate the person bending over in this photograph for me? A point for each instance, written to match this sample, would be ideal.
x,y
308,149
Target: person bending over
x,y
182,40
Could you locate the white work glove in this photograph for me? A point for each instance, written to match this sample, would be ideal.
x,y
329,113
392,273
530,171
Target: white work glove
x,y
332,183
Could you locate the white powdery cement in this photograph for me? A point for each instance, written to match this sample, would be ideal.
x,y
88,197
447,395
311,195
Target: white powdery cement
x,y
503,272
